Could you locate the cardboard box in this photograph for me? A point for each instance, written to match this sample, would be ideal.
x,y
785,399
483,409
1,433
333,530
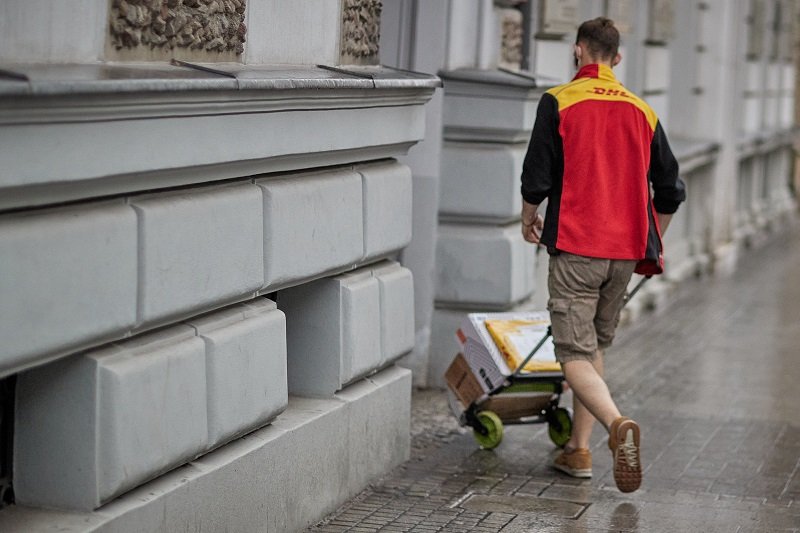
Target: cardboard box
x,y
462,382
480,352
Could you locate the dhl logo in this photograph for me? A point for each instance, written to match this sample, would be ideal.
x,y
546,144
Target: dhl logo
x,y
608,92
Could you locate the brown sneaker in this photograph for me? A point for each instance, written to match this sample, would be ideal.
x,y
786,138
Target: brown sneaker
x,y
623,440
576,463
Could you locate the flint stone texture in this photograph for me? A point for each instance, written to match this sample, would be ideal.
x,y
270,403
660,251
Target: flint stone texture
x,y
71,269
361,24
205,25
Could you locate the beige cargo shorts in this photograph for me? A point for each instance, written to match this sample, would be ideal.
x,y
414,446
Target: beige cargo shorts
x,y
586,297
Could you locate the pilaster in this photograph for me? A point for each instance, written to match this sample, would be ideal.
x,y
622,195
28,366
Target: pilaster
x,y
482,260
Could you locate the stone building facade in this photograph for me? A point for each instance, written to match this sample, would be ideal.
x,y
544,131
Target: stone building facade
x,y
210,212
201,307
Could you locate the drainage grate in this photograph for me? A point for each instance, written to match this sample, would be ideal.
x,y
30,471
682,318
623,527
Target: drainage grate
x,y
6,438
493,503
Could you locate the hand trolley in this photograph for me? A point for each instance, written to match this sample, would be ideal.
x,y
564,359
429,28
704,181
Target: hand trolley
x,y
523,398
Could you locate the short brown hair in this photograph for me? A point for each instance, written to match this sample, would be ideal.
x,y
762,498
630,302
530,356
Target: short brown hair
x,y
600,36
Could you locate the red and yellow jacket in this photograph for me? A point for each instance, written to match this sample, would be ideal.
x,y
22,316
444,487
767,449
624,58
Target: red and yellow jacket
x,y
594,152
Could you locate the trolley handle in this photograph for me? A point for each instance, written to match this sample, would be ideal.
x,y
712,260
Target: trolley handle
x,y
541,342
635,290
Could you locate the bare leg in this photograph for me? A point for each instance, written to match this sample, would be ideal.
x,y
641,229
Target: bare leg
x,y
583,420
592,399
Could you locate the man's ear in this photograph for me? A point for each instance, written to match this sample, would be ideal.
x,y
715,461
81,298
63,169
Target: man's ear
x,y
578,50
616,60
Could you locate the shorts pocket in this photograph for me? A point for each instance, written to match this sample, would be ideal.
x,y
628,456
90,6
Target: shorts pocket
x,y
561,322
573,325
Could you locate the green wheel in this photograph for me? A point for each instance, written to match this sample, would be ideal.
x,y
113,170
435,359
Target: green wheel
x,y
559,426
494,430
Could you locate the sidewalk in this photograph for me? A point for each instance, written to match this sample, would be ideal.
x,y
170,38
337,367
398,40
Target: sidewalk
x,y
714,381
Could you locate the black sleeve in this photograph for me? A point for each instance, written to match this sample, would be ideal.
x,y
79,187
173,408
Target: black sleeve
x,y
668,188
541,159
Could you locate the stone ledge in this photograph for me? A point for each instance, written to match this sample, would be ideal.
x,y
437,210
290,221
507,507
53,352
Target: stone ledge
x,y
766,141
504,80
156,126
693,153
105,78
489,106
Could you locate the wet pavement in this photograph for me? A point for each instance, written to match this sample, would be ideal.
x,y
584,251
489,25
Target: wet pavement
x,y
714,381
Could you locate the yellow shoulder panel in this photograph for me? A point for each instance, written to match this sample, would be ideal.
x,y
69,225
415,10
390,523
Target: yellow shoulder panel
x,y
584,89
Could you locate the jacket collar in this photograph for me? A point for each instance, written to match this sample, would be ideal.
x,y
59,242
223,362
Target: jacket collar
x,y
596,70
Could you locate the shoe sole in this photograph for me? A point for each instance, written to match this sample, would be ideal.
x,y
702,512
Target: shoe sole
x,y
582,473
628,478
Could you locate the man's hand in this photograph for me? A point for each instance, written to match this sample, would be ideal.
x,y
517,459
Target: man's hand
x,y
533,232
532,223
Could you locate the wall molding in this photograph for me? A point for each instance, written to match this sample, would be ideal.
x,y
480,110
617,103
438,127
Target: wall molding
x,y
75,138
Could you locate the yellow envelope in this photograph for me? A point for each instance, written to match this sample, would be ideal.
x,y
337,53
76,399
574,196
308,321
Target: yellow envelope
x,y
516,338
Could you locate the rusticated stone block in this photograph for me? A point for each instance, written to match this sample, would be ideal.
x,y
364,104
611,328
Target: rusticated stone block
x,y
483,266
481,181
387,208
396,286
245,367
345,327
67,279
200,248
313,223
333,329
95,425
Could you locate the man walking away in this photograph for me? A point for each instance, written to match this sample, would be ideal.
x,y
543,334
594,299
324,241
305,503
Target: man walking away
x,y
595,151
